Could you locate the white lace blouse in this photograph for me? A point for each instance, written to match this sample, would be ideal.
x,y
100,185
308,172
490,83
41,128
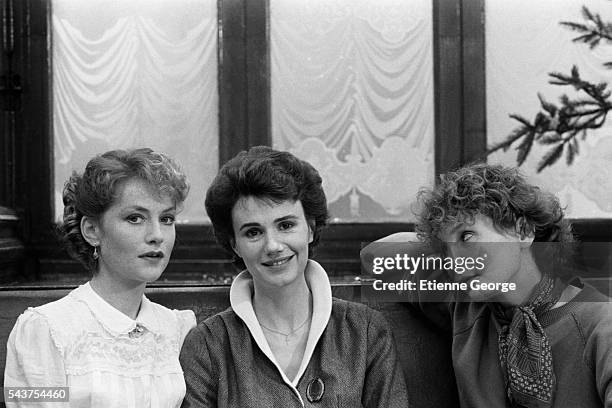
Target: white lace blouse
x,y
82,342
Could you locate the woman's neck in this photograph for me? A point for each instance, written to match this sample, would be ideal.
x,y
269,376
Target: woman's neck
x,y
125,298
283,309
526,280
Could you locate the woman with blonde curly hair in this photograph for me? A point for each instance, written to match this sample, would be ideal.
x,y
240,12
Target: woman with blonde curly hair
x,y
105,340
546,342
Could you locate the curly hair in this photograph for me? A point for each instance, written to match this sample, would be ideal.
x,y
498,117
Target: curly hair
x,y
500,193
93,192
266,173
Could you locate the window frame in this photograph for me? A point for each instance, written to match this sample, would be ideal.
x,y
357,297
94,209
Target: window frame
x,y
244,120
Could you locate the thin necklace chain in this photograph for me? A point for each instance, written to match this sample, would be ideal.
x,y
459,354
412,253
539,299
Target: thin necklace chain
x,y
286,334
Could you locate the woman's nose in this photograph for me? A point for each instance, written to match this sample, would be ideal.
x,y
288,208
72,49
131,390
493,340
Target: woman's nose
x,y
273,243
154,233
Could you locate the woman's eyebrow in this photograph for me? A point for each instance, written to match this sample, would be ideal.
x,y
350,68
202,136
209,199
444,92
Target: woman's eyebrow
x,y
249,224
286,217
144,209
456,228
277,220
136,208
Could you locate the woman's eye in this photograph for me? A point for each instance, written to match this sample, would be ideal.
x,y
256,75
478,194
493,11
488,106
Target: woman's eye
x,y
135,218
251,232
466,236
285,225
168,220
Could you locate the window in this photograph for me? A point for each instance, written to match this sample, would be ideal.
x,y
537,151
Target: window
x,y
521,51
352,90
247,116
134,74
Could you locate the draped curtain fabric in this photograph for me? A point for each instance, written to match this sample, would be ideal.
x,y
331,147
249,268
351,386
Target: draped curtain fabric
x,y
352,93
138,73
524,42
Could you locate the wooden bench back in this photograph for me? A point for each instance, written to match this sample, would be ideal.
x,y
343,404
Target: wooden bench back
x,y
423,352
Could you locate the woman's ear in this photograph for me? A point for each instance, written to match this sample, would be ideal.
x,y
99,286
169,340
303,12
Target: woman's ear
x,y
232,243
90,229
311,226
525,232
527,240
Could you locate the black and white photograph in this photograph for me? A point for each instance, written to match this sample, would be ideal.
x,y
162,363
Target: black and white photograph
x,y
306,203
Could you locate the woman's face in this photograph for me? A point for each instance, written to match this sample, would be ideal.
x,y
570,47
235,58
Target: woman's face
x,y
135,234
504,253
272,239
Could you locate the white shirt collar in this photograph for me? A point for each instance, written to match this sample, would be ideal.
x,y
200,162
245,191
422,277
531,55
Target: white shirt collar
x,y
241,294
112,319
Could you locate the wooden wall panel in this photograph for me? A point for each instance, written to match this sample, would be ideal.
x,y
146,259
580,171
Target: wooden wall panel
x,y
474,80
244,76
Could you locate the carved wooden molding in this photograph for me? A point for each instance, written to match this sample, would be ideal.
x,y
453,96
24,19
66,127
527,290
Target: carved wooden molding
x,y
12,250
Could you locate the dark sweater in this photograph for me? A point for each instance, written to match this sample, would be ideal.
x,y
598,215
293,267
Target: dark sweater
x,y
580,333
355,357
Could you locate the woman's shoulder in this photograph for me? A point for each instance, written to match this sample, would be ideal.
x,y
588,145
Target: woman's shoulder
x,y
172,321
591,309
182,317
356,312
358,325
223,321
31,320
352,306
217,329
219,320
349,306
187,319
63,312
59,306
52,320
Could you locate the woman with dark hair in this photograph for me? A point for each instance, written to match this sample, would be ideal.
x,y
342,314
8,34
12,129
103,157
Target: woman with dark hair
x,y
285,341
105,340
545,343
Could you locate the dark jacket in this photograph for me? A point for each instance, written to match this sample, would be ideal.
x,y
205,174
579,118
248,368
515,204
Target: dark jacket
x,y
355,358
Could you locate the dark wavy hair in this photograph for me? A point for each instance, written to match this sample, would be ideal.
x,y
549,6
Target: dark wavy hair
x,y
93,192
268,174
498,192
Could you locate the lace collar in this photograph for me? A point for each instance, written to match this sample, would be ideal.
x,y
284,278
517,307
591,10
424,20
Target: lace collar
x,y
112,319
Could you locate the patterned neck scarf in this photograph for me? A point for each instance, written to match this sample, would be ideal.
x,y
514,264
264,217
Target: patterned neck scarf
x,y
524,351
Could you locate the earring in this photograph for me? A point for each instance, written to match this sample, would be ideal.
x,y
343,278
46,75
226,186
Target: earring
x,y
95,254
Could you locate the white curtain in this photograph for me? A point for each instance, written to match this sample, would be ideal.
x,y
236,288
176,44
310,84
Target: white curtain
x,y
524,42
352,93
136,73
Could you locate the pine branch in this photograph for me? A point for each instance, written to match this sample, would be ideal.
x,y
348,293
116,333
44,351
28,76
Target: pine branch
x,y
525,147
593,32
551,157
558,125
516,134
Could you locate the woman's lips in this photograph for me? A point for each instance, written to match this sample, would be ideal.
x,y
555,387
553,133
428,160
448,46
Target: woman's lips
x,y
152,255
278,261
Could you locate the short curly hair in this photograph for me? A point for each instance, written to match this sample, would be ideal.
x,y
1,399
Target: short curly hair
x,y
93,192
263,172
498,192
